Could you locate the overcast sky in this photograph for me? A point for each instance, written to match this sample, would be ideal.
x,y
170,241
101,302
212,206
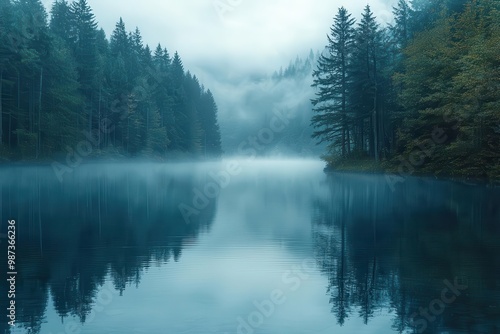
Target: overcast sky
x,y
231,38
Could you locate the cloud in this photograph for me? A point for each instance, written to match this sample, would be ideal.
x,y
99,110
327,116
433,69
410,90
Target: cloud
x,y
251,36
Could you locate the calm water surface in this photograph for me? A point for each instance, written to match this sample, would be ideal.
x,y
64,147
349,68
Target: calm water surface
x,y
281,248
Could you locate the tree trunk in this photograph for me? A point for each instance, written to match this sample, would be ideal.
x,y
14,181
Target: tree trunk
x,y
90,112
375,129
1,109
99,117
31,108
344,111
348,141
362,134
375,111
39,145
343,141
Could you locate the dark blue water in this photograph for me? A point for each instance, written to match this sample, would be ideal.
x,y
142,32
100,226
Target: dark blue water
x,y
250,247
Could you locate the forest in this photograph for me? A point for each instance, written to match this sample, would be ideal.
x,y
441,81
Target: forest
x,y
421,95
66,89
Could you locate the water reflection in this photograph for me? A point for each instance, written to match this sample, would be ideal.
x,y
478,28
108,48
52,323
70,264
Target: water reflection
x,y
383,257
103,222
397,251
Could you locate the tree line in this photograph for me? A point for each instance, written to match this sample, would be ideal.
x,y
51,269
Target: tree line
x,y
62,80
422,93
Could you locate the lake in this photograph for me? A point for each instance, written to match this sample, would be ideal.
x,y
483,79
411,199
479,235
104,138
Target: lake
x,y
263,246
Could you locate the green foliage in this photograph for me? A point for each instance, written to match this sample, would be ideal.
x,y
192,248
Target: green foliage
x,y
63,81
331,78
211,140
451,82
415,80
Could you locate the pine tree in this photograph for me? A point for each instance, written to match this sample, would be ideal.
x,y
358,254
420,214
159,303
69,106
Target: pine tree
x,y
365,93
85,51
401,30
61,101
6,59
178,122
33,50
120,85
211,141
103,89
62,22
332,80
157,141
119,42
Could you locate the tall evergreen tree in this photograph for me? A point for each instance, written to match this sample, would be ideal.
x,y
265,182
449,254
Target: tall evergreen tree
x,y
119,42
211,141
33,49
401,29
6,58
177,124
85,51
62,22
331,78
61,101
365,95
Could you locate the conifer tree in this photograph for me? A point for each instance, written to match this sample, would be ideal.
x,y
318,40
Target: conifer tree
x,y
331,78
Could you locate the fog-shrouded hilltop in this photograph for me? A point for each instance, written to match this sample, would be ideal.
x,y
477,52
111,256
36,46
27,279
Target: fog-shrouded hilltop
x,y
283,96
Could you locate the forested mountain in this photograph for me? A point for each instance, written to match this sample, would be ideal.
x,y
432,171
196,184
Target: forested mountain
x,y
422,94
284,94
300,68
66,88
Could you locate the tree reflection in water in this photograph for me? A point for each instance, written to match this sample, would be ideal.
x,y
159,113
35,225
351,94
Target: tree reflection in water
x,y
393,250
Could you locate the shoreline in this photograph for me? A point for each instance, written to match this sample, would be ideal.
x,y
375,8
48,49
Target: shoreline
x,y
470,181
355,169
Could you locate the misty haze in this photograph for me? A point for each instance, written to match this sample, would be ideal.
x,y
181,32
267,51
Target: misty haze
x,y
249,167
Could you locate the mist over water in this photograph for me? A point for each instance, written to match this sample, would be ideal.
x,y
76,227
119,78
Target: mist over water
x,y
279,247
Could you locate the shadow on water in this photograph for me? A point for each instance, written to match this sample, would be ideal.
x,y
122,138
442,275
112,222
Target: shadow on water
x,y
103,221
396,251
